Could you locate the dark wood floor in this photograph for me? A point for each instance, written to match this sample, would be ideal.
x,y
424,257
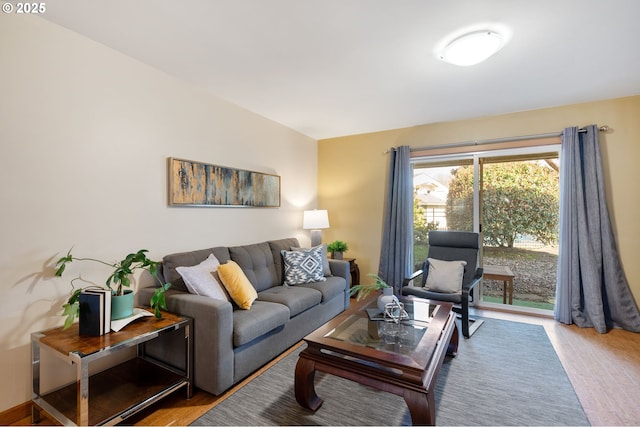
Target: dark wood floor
x,y
603,368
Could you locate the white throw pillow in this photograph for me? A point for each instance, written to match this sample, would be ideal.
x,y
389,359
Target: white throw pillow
x,y
445,276
201,279
303,266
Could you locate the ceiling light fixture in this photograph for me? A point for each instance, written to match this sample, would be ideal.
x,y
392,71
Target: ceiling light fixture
x,y
472,48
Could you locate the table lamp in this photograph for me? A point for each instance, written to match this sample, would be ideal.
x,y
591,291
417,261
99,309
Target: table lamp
x,y
315,221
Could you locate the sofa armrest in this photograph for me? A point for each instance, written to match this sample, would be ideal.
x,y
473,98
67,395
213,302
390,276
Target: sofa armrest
x,y
342,269
212,336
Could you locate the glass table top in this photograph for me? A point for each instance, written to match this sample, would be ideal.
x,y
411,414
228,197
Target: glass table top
x,y
383,333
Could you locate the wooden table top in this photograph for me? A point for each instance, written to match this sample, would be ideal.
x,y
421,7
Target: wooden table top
x,y
497,272
69,341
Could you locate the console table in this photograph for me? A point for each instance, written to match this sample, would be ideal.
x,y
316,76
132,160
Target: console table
x,y
114,394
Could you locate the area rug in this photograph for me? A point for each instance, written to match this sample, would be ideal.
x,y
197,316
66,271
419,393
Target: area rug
x,y
507,373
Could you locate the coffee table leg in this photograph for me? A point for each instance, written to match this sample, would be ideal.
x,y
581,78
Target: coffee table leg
x,y
421,407
304,384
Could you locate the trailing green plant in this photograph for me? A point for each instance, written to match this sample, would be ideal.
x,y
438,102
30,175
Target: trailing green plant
x,y
116,282
364,290
337,246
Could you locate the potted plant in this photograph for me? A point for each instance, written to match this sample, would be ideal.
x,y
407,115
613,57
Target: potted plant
x,y
379,285
337,248
116,282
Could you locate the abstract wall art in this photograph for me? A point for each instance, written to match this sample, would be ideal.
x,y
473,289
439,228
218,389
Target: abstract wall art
x,y
202,184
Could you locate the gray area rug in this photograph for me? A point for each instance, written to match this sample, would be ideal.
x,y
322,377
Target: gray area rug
x,y
507,373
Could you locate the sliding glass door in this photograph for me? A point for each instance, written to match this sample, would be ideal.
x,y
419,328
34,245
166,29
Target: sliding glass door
x,y
511,197
437,206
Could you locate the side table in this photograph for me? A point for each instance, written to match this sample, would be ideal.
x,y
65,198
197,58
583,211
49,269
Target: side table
x,y
111,396
354,270
501,272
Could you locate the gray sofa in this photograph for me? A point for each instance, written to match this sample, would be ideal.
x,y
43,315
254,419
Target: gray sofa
x,y
231,343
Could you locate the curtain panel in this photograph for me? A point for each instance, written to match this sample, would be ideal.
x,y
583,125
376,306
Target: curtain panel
x,y
396,254
592,290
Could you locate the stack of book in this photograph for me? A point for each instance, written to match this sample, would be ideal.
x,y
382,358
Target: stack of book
x,y
95,312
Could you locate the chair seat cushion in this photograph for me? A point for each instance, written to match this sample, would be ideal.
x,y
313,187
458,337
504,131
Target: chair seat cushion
x,y
263,317
445,276
438,296
296,298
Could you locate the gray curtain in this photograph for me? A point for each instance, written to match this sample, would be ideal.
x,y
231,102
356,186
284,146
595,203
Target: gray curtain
x,y
396,254
592,290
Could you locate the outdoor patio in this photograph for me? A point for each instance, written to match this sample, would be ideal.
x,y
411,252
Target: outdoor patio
x,y
535,270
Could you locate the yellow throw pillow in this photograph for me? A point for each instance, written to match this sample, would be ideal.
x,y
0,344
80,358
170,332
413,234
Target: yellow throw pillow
x,y
236,283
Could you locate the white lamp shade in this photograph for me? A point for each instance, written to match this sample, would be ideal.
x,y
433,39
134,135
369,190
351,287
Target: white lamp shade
x,y
315,219
472,48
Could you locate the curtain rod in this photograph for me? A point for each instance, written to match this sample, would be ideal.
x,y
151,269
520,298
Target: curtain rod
x,y
498,140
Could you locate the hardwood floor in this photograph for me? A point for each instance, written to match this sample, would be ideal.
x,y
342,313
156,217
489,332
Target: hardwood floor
x,y
603,368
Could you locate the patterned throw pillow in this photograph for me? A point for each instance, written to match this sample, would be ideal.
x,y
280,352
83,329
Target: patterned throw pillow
x,y
303,266
326,269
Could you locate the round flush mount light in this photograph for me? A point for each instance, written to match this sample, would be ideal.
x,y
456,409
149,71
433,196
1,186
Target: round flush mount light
x,y
472,48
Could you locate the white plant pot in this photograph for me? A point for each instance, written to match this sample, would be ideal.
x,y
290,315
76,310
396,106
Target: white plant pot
x,y
386,297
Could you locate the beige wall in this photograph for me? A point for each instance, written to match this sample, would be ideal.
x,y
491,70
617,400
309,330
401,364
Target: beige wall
x,y
85,133
352,171
84,136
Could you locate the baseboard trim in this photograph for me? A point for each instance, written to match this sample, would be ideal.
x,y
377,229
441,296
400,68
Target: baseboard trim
x,y
15,414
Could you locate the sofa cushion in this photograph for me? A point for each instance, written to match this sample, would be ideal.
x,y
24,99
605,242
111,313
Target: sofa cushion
x,y
303,266
188,259
333,286
237,285
202,279
263,317
277,246
296,298
257,263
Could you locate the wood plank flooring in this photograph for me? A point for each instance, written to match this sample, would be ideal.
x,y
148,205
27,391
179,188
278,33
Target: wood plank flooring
x,y
603,368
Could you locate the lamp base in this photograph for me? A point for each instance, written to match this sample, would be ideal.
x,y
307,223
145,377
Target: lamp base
x,y
316,237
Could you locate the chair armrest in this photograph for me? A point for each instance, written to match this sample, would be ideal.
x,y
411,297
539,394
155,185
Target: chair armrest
x,y
466,289
476,279
409,281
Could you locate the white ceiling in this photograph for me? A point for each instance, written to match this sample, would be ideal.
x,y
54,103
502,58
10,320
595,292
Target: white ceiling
x,y
331,68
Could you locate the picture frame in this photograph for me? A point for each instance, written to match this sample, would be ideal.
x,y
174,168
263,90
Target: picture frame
x,y
201,184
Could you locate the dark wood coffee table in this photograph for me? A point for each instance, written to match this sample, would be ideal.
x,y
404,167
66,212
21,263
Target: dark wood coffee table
x,y
402,359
